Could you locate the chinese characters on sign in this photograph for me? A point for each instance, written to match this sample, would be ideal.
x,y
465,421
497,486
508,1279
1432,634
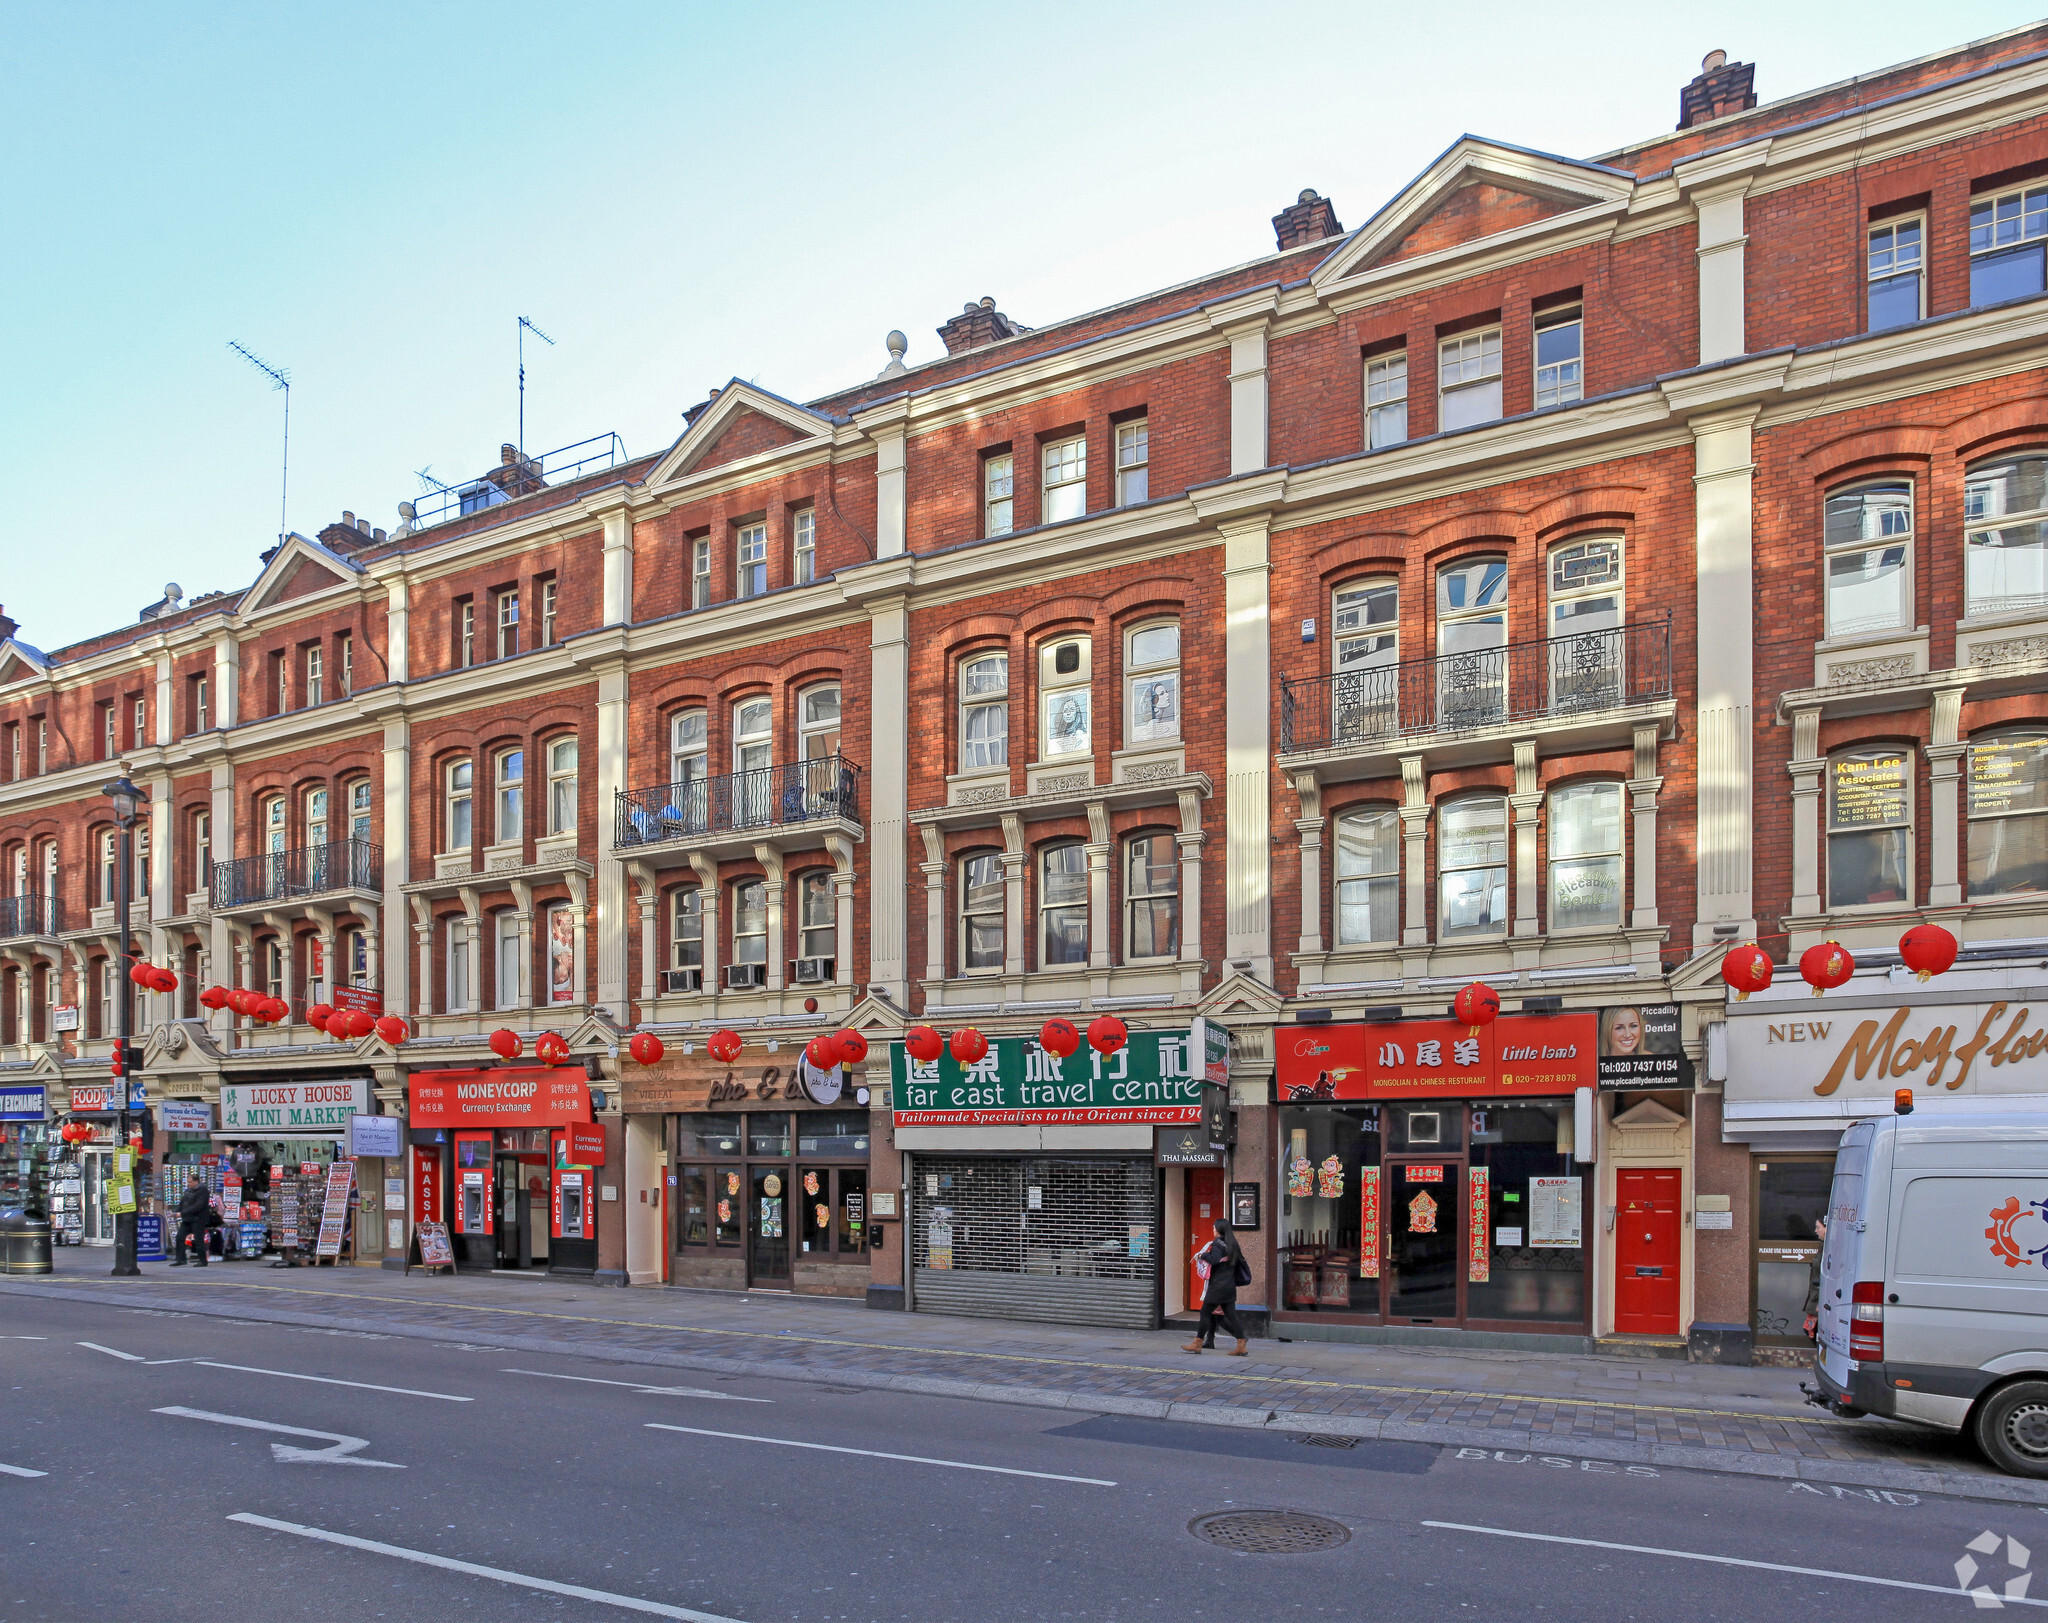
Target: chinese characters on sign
x,y
1479,1258
1018,1083
1525,1055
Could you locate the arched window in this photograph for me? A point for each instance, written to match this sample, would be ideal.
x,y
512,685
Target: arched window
x,y
459,796
1869,542
1472,867
1062,906
1365,649
359,809
984,711
562,785
753,756
109,873
1585,623
1151,897
1869,816
981,912
511,795
1368,876
1063,699
316,817
1471,642
818,722
749,932
2005,535
272,821
2008,812
1152,683
1585,856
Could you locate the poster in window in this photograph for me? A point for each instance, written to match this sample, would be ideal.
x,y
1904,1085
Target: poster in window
x,y
1478,1209
939,1246
1155,708
561,956
2008,775
1554,1212
1867,791
1066,723
1368,1222
1422,1213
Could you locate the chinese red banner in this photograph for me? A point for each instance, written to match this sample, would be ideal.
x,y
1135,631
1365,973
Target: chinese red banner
x,y
1518,1055
1478,1213
1368,1222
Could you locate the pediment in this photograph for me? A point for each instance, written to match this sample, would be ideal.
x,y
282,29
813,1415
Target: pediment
x,y
1239,993
743,421
1647,1116
1476,191
21,663
298,568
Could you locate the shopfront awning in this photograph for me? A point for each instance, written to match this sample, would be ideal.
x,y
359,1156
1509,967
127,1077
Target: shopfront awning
x,y
522,1096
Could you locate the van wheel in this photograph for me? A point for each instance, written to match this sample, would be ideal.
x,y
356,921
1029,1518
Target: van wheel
x,y
2012,1428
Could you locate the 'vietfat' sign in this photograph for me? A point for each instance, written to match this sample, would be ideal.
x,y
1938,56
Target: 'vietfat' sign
x,y
281,1107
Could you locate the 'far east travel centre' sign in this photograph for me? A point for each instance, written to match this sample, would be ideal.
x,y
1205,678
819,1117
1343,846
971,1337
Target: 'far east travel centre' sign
x,y
1018,1083
284,1108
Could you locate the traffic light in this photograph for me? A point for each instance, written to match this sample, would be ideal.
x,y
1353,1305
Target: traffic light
x,y
125,1061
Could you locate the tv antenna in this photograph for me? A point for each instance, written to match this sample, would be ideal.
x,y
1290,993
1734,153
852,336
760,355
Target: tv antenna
x,y
428,483
279,380
526,327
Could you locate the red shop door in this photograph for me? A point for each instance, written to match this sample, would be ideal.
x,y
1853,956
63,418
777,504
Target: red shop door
x,y
1205,1205
1646,1251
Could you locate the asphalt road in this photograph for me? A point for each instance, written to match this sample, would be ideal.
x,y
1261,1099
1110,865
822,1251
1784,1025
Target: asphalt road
x,y
192,1470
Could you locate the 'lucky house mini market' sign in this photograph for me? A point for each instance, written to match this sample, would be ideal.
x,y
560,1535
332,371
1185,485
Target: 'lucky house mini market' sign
x,y
282,1107
1019,1084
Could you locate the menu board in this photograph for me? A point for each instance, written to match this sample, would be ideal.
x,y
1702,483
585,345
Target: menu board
x,y
334,1213
1867,791
436,1250
1554,1212
2009,774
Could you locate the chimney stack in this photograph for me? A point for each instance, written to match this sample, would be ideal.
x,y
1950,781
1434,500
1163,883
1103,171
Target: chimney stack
x,y
977,326
1307,219
8,626
1723,88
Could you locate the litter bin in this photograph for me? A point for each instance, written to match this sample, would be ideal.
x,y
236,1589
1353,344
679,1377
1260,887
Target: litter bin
x,y
25,1243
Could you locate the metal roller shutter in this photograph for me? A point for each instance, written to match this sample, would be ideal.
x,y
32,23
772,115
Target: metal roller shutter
x,y
1068,1260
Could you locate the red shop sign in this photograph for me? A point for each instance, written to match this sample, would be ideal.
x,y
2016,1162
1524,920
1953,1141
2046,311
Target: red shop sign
x,y
357,999
1529,1056
530,1096
586,1146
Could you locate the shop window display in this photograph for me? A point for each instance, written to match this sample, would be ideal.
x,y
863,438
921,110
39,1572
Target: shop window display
x,y
1325,1154
1534,1235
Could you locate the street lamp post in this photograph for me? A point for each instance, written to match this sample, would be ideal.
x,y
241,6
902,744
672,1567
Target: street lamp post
x,y
127,800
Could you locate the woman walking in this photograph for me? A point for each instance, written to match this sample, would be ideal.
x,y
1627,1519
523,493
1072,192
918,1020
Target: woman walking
x,y
1227,1270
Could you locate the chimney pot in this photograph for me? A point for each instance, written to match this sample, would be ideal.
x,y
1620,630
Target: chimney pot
x,y
348,518
1310,218
1722,89
507,455
376,535
977,325
1713,60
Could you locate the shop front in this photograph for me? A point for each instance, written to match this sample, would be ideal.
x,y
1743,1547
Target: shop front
x,y
1433,1175
1801,1069
767,1164
511,1160
82,1196
1032,1182
27,1148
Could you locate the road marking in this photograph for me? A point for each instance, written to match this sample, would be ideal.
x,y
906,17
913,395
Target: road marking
x,y
341,1452
636,1386
115,1352
20,1470
328,1380
151,1363
630,1603
876,1454
23,1338
1722,1561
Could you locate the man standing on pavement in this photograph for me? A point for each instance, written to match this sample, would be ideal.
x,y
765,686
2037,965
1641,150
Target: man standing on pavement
x,y
192,1214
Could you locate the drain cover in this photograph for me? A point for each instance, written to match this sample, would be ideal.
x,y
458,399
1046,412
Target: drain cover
x,y
1317,1439
1270,1532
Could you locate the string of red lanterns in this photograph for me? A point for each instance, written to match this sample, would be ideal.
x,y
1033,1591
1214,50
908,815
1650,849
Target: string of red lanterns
x,y
1926,949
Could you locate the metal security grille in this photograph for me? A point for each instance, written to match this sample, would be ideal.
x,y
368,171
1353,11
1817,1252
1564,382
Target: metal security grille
x,y
1042,1237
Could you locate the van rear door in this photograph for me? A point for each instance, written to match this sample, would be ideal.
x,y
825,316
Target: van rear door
x,y
1841,1256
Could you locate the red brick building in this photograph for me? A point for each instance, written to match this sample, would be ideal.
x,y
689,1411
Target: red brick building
x,y
1579,568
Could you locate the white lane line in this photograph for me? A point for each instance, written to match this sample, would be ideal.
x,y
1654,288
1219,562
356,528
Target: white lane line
x,y
328,1380
115,1352
24,1338
630,1603
1723,1561
151,1363
876,1454
639,1386
20,1470
341,1449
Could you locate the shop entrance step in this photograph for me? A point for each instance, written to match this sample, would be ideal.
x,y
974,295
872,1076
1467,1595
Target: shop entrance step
x,y
1641,1347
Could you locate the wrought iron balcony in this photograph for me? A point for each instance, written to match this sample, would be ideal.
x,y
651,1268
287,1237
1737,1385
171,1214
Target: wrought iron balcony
x,y
311,870
822,790
1547,679
30,914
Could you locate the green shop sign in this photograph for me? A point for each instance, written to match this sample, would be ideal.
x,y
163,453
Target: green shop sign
x,y
1017,1084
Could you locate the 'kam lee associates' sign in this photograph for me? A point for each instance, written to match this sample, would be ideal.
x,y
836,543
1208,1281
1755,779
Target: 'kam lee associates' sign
x,y
1017,1083
1968,1048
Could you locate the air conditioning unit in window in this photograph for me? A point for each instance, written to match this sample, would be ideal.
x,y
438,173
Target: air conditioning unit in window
x,y
812,971
743,975
682,980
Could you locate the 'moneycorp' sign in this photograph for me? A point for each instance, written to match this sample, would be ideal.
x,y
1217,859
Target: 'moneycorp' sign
x,y
1017,1084
285,1107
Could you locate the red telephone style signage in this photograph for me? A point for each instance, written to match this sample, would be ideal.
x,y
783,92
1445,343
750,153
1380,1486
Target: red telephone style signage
x,y
1531,1056
586,1145
426,1185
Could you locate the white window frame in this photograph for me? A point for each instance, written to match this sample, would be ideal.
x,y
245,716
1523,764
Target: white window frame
x,y
686,928
750,944
1991,821
750,557
1980,521
109,871
458,992
998,494
817,915
274,968
316,808
1560,381
355,956
984,710
1144,895
1502,867
1386,399
505,966
1133,461
140,735
316,676
201,711
110,732
1606,858
508,795
817,733
458,800
1901,253
1468,367
271,820
1057,690
346,645
562,784
1388,879
1865,546
202,850
508,622
361,809
2002,223
1581,573
1063,480
1900,828
1149,684
684,752
465,643
550,599
1075,873
700,572
1365,624
753,731
990,864
803,546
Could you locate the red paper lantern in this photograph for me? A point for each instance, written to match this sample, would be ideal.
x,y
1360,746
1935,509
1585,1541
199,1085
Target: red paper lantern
x,y
141,973
162,980
337,1025
237,996
1927,949
506,1044
923,1044
968,1045
645,1048
1747,969
822,1051
551,1048
724,1046
1106,1034
1826,965
361,1023
319,1015
393,1029
214,997
1476,1005
851,1045
1059,1037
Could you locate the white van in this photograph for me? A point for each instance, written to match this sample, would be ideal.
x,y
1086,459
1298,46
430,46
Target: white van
x,y
1934,1279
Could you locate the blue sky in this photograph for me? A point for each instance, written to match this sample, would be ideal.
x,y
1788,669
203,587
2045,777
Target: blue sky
x,y
370,195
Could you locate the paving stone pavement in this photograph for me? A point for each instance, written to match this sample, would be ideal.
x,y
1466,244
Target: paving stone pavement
x,y
1705,1416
